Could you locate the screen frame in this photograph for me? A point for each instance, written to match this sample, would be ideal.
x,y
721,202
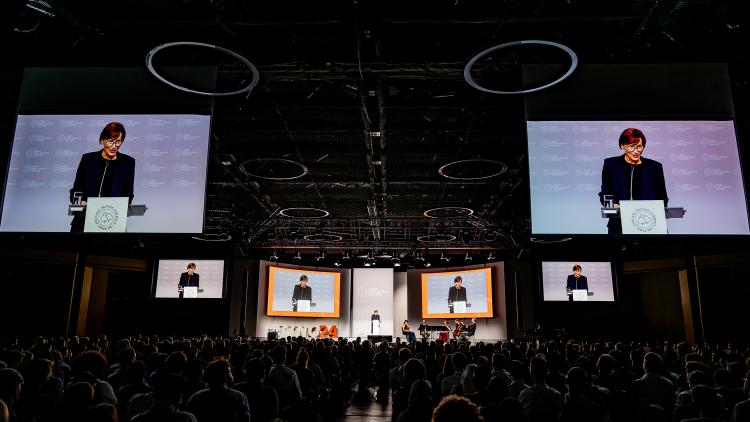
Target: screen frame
x,y
612,268
336,293
155,277
488,279
561,117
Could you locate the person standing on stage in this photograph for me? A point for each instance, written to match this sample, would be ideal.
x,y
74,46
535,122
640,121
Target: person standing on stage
x,y
188,279
456,293
301,292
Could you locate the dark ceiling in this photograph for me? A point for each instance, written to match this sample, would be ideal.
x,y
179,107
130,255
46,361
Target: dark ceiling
x,y
369,98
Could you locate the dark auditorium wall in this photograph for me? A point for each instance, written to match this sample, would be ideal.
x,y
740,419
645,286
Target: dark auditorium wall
x,y
649,307
724,293
35,295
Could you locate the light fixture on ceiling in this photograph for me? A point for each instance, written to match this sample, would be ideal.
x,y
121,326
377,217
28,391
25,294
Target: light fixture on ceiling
x,y
337,263
444,257
491,256
274,255
468,257
346,256
396,262
297,257
322,255
369,261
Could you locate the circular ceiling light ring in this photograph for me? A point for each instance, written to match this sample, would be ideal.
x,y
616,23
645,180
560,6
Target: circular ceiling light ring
x,y
458,213
323,237
303,168
503,169
238,56
543,240
436,238
474,84
285,212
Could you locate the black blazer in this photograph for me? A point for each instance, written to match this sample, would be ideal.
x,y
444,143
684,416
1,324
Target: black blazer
x,y
186,280
615,182
302,294
375,317
572,285
89,175
455,294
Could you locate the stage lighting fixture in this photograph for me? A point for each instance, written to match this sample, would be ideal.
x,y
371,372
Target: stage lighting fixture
x,y
444,257
491,256
468,257
297,257
396,262
274,255
322,256
369,261
337,263
346,256
419,257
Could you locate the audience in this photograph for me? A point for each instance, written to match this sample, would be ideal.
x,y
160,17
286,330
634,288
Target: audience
x,y
295,379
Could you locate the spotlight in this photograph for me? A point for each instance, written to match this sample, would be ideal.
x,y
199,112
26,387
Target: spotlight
x,y
427,264
346,256
322,256
369,261
274,255
468,257
491,256
337,263
419,257
444,257
297,257
396,262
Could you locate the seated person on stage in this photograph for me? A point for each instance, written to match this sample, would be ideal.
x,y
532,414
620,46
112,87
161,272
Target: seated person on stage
x,y
460,331
423,331
301,292
445,333
406,331
188,279
456,293
471,328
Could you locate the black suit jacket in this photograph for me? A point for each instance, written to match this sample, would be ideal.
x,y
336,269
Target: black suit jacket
x,y
302,294
455,294
186,280
615,182
89,175
572,285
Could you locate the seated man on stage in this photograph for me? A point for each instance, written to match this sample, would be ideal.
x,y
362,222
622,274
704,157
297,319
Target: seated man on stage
x,y
471,328
460,333
423,330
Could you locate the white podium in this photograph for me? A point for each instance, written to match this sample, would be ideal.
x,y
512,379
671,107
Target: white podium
x,y
580,295
643,217
303,306
190,292
106,215
459,307
375,327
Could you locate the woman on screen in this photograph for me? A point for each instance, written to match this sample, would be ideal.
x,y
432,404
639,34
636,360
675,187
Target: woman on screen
x,y
188,279
456,293
301,292
106,172
631,176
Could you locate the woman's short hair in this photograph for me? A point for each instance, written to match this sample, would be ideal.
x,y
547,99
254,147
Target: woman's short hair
x,y
631,136
111,130
577,267
458,279
303,278
191,265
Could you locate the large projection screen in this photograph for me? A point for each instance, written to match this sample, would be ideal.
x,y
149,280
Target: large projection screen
x,y
436,292
325,296
700,163
170,153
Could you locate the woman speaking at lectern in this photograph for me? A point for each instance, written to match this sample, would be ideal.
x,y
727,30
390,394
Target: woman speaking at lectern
x,y
106,172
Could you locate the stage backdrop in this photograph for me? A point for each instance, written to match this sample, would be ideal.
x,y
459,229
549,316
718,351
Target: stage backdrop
x,y
304,326
372,289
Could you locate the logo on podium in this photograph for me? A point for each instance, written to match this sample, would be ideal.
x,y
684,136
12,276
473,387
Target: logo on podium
x,y
106,215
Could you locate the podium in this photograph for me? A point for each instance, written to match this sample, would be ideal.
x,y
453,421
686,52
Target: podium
x,y
375,327
459,307
106,214
580,295
303,306
190,292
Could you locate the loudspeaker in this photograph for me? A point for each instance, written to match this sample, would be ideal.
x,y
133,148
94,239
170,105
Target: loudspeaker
x,y
378,339
273,335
